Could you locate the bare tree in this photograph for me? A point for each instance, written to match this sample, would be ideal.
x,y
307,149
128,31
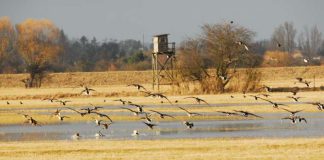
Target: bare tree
x,y
283,37
310,41
228,47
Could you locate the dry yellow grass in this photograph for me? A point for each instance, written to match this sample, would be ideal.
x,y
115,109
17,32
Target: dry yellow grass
x,y
61,80
181,149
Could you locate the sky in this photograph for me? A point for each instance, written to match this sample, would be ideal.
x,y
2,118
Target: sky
x,y
131,19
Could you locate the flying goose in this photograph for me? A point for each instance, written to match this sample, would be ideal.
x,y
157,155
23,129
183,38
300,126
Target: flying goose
x,y
50,99
319,105
136,113
229,113
162,115
241,43
246,113
102,115
292,112
138,86
87,90
199,100
62,102
150,125
81,113
105,125
294,98
190,114
123,101
274,104
139,107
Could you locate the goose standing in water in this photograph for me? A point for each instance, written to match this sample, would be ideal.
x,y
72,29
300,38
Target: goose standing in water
x,y
76,136
188,124
135,133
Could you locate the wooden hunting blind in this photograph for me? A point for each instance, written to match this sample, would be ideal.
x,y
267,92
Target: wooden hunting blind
x,y
163,57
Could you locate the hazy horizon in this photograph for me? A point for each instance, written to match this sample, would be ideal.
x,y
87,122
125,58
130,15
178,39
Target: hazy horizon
x,y
130,19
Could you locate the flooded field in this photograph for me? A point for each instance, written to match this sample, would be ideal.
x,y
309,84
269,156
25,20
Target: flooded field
x,y
273,127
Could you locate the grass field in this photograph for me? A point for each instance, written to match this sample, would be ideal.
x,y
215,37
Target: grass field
x,y
181,149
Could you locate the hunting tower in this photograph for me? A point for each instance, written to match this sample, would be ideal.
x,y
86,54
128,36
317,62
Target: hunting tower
x,y
163,58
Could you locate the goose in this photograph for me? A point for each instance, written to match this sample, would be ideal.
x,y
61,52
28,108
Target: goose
x,y
274,104
87,90
319,105
123,101
199,100
147,118
255,97
138,86
264,95
32,121
162,115
62,102
294,98
299,79
50,99
102,115
24,115
139,107
188,124
306,83
135,133
136,113
246,113
76,136
81,113
61,118
267,88
105,125
190,114
160,95
294,119
150,125
229,113
57,112
99,134
241,43
292,112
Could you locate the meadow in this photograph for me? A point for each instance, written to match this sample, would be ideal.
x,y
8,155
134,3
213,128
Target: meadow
x,y
181,149
110,86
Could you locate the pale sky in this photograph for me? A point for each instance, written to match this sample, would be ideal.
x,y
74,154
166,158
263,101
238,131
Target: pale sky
x,y
130,19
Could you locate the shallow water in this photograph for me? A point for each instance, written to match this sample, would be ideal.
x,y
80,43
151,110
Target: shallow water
x,y
274,127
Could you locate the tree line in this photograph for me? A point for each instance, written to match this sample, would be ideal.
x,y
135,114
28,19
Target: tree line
x,y
36,46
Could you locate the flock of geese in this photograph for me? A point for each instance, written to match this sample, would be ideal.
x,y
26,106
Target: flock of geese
x,y
145,115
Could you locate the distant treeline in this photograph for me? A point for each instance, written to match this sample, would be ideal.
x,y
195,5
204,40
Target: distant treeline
x,y
36,44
